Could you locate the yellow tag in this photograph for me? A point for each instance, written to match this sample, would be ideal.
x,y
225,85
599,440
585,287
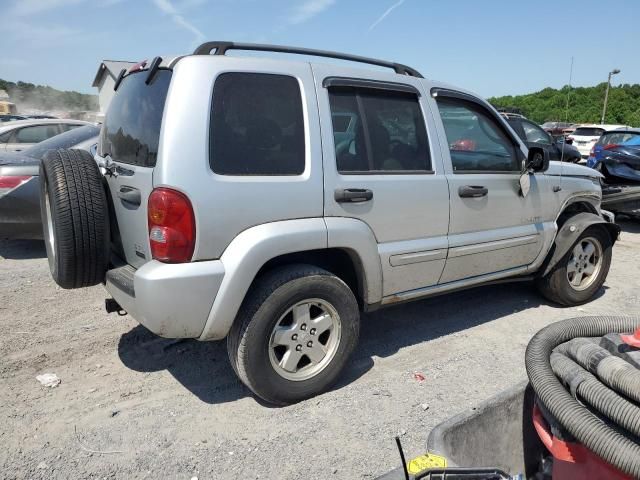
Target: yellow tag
x,y
426,461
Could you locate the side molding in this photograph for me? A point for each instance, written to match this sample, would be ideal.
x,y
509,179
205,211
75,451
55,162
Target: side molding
x,y
570,232
244,257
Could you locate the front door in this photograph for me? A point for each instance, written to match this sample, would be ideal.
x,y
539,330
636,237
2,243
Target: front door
x,y
382,167
493,227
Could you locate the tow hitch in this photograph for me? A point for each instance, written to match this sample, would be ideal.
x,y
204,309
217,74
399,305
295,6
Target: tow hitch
x,y
110,305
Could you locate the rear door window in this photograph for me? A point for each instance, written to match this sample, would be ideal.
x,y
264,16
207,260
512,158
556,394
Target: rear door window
x,y
35,134
257,125
386,133
131,130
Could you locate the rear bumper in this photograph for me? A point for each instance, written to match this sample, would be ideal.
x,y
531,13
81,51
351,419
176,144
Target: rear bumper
x,y
171,300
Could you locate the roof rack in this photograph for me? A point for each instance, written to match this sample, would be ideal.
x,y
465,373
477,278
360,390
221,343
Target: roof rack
x,y
221,48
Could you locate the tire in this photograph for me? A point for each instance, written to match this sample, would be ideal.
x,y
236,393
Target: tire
x,y
268,304
556,285
75,220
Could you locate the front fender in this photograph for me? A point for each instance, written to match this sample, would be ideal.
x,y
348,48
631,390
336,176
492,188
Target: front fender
x,y
571,230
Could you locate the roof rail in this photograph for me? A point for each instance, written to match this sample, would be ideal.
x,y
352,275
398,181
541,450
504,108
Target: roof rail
x,y
221,48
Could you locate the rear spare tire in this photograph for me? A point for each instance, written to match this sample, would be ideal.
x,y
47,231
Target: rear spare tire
x,y
75,220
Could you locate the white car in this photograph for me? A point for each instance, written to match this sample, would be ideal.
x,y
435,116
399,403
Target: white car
x,y
585,136
21,134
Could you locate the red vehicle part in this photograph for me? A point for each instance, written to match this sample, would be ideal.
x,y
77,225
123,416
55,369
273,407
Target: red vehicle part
x,y
572,460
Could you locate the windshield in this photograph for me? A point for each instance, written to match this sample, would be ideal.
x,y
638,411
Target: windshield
x,y
588,132
65,140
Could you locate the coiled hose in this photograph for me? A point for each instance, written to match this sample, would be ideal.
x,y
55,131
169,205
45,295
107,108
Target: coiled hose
x,y
613,371
587,428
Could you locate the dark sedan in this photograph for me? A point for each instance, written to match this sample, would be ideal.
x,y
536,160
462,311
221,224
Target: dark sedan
x,y
533,135
20,187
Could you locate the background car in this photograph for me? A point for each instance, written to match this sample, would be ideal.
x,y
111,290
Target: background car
x,y
617,155
556,128
40,117
20,186
585,136
19,135
533,135
11,118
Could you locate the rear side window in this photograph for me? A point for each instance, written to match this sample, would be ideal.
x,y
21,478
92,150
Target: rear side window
x,y
131,130
257,125
386,132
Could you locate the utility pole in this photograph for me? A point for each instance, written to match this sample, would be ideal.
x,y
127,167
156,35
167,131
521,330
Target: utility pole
x,y
615,71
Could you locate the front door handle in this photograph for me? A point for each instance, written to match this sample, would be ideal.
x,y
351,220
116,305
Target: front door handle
x,y
130,195
472,191
354,195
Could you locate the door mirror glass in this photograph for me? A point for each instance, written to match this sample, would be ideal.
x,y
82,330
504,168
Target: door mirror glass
x,y
537,160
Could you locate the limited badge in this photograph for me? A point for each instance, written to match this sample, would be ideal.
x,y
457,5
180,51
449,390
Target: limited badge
x,y
426,461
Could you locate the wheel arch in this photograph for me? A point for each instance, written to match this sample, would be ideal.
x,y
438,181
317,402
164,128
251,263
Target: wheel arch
x,y
568,233
346,248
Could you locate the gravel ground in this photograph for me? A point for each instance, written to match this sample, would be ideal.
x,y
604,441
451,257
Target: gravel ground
x,y
132,405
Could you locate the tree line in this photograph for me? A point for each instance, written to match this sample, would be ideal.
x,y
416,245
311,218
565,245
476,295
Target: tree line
x,y
42,97
585,104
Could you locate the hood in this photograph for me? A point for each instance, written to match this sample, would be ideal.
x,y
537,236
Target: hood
x,y
572,170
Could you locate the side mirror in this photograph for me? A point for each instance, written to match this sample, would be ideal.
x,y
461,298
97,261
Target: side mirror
x,y
569,141
537,160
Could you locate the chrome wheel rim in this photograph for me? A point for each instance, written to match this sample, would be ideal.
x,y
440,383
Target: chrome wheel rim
x,y
584,264
49,238
305,339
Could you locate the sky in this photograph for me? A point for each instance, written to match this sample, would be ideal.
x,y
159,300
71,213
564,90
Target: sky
x,y
492,47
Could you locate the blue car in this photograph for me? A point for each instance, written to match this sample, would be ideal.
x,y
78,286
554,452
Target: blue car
x,y
617,155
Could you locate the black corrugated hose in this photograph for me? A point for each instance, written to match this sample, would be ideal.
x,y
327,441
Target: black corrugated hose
x,y
588,388
586,427
613,371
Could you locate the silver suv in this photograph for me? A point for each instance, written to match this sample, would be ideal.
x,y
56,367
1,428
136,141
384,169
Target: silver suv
x,y
271,201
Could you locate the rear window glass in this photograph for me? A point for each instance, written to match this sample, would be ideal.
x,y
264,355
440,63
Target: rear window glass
x,y
588,132
131,130
257,126
616,138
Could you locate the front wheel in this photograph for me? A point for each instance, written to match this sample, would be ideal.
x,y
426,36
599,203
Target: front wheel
x,y
294,333
582,271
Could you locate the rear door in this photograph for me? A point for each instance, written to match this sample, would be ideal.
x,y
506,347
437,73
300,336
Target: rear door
x,y
383,168
129,148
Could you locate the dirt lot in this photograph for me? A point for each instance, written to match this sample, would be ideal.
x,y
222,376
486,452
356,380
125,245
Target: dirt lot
x,y
156,408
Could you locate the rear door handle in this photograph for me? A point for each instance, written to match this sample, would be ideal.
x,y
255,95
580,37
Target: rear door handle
x,y
130,195
472,191
354,195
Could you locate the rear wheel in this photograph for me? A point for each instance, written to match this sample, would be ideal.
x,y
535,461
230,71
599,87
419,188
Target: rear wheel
x,y
74,214
294,333
582,271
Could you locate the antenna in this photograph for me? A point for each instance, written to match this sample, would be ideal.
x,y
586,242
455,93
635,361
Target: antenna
x,y
402,459
566,119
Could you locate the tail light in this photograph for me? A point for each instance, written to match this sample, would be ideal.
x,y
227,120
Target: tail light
x,y
610,146
9,182
593,151
172,226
